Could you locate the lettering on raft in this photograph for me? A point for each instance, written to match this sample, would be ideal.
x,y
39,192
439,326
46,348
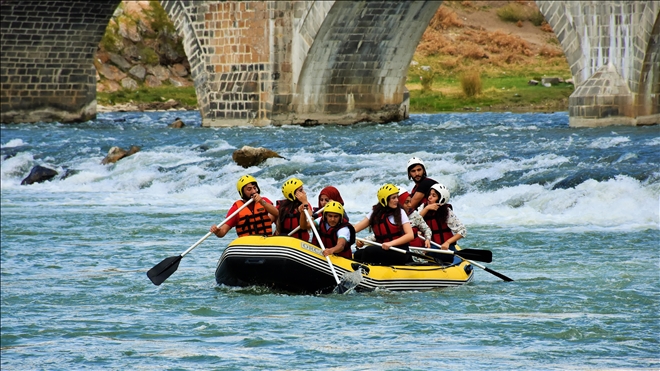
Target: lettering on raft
x,y
311,248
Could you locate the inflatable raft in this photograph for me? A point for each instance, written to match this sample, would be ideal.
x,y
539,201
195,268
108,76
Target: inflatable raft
x,y
292,265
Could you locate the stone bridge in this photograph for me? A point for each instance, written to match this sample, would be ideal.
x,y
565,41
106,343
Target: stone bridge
x,y
306,62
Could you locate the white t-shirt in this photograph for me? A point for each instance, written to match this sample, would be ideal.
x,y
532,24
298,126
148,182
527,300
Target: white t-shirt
x,y
344,233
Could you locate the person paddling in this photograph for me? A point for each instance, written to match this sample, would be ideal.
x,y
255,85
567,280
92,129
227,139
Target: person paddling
x,y
291,209
417,173
445,226
255,219
391,227
336,234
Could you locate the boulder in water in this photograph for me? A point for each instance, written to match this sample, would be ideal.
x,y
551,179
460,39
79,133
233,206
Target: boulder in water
x,y
115,154
251,156
177,124
39,174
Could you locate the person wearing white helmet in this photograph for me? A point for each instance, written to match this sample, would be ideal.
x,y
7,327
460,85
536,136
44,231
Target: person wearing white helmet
x,y
391,227
417,173
255,219
439,215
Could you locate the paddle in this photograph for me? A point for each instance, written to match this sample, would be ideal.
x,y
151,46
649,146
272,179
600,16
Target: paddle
x,y
163,270
350,281
479,255
500,275
421,256
298,227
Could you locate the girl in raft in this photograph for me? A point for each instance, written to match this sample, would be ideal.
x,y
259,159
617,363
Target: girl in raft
x,y
291,209
416,221
439,215
391,227
326,195
336,234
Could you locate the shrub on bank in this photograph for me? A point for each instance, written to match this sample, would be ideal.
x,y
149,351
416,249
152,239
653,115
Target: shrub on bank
x,y
471,83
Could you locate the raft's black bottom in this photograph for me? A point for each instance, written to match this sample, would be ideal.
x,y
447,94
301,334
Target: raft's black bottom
x,y
276,273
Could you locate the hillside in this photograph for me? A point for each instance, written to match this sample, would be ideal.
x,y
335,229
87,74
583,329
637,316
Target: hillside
x,y
141,59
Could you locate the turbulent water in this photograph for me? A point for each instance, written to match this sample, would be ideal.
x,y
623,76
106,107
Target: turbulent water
x,y
572,215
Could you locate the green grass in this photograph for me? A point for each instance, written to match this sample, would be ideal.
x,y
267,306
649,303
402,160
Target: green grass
x,y
500,93
185,95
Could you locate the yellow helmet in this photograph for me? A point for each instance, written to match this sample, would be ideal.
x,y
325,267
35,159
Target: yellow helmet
x,y
334,207
386,191
289,188
243,181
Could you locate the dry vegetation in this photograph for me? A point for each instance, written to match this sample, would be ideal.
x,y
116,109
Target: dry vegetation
x,y
466,56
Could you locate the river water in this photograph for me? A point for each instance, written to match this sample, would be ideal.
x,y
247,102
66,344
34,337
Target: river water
x,y
572,215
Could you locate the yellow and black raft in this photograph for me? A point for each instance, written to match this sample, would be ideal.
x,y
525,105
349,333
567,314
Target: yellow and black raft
x,y
296,266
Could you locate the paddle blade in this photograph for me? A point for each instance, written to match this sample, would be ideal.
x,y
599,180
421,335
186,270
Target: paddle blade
x,y
474,254
500,275
163,270
348,282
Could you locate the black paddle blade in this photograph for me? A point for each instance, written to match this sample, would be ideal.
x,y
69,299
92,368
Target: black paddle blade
x,y
163,270
500,275
474,254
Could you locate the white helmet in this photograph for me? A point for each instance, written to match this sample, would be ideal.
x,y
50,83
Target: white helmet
x,y
442,191
416,161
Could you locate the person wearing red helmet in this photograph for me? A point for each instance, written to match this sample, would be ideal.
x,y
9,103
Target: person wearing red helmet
x,y
417,173
255,219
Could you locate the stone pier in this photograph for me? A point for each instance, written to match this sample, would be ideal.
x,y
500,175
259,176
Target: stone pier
x,y
47,49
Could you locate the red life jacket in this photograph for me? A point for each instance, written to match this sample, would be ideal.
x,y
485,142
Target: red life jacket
x,y
290,221
255,222
385,231
441,232
329,238
417,242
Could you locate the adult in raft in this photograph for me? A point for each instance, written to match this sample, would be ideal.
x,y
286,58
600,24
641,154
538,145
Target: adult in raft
x,y
291,209
336,234
391,227
417,173
256,219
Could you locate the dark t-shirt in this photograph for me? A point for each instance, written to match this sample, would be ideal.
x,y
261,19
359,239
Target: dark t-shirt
x,y
423,186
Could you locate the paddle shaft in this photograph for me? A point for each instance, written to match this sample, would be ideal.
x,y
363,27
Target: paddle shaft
x,y
500,275
318,238
399,250
219,225
298,227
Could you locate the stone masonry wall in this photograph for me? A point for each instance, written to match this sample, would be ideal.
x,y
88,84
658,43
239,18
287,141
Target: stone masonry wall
x,y
46,68
598,37
229,49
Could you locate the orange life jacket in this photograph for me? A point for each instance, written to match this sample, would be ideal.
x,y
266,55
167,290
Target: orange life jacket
x,y
255,222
